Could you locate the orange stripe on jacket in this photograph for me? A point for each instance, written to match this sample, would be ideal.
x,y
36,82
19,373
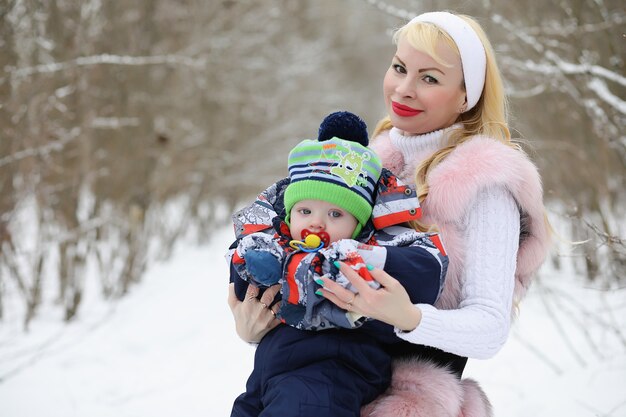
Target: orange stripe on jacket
x,y
238,260
396,218
437,241
253,228
294,261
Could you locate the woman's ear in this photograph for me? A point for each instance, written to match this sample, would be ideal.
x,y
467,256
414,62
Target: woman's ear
x,y
463,106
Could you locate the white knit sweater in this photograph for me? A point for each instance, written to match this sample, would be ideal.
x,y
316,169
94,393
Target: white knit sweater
x,y
480,326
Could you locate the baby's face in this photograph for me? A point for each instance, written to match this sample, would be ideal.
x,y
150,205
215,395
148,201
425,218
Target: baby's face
x,y
320,216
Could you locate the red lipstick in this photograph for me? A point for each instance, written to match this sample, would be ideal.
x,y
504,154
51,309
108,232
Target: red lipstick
x,y
404,111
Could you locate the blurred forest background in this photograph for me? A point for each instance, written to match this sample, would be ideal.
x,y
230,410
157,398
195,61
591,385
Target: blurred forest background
x,y
125,125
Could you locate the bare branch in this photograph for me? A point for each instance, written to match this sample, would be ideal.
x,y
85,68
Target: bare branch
x,y
41,151
606,238
559,327
606,95
559,66
539,354
571,27
108,59
391,10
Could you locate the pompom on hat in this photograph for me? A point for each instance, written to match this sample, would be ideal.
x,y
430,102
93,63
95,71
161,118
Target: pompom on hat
x,y
337,168
344,125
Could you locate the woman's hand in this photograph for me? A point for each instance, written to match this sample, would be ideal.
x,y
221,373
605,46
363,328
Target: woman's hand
x,y
254,318
390,303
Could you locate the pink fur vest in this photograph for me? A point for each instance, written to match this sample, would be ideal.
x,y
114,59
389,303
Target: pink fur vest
x,y
420,389
474,165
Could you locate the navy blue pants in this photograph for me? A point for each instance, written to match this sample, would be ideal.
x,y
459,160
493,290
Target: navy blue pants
x,y
329,373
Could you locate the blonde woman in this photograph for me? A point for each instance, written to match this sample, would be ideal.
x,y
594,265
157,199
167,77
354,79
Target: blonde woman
x,y
447,133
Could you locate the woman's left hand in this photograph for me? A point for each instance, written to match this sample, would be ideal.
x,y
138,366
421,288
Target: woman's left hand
x,y
390,303
254,318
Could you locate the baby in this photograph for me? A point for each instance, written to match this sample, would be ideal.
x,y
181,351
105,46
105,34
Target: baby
x,y
335,187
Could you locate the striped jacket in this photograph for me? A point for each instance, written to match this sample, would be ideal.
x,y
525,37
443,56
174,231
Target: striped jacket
x,y
417,260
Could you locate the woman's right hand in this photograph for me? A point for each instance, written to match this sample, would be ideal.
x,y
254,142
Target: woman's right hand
x,y
254,318
390,303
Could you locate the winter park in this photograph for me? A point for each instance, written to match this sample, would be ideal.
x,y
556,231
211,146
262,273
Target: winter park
x,y
130,132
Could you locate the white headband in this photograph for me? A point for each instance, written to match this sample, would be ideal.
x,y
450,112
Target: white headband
x,y
473,58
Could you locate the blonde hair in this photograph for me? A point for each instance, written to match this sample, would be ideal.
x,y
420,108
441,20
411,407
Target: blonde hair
x,y
488,117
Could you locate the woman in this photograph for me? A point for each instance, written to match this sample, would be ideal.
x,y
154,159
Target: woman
x,y
447,133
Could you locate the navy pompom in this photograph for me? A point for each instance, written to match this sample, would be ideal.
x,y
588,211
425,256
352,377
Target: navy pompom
x,y
343,125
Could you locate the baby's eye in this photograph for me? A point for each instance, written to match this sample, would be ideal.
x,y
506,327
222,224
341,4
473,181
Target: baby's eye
x,y
304,211
399,68
335,214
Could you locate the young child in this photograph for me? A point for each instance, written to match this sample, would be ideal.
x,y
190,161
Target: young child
x,y
336,191
330,198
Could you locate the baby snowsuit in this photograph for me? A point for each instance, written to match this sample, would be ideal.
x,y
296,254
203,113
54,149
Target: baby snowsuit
x,y
335,371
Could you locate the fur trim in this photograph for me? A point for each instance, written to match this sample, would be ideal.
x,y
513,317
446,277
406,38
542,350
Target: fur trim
x,y
478,163
418,389
391,158
423,389
475,401
484,162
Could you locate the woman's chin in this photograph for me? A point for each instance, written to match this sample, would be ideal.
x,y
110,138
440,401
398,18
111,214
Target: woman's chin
x,y
407,126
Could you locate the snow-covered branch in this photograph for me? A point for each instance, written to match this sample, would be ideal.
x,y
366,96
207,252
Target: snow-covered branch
x,y
391,10
41,151
114,122
556,28
107,59
606,95
559,66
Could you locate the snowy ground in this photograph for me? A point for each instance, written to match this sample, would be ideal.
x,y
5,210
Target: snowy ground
x,y
169,348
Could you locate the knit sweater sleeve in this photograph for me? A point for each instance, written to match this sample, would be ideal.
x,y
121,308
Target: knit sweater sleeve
x,y
480,326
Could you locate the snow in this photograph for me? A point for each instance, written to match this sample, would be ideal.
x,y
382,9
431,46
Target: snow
x,y
169,348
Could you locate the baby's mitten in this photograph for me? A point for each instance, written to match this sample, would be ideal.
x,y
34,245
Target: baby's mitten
x,y
262,256
263,266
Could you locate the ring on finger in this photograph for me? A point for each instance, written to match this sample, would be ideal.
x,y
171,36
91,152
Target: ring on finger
x,y
273,313
349,303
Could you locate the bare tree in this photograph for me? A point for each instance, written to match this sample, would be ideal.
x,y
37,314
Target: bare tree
x,y
127,126
564,67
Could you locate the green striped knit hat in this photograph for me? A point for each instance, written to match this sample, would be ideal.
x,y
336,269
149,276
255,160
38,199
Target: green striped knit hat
x,y
338,171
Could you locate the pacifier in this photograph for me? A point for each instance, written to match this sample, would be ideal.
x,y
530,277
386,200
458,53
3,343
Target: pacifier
x,y
312,241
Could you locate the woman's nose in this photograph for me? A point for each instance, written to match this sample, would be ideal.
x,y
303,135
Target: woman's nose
x,y
406,87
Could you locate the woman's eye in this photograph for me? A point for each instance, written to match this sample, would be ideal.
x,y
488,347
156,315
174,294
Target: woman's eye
x,y
399,68
430,79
